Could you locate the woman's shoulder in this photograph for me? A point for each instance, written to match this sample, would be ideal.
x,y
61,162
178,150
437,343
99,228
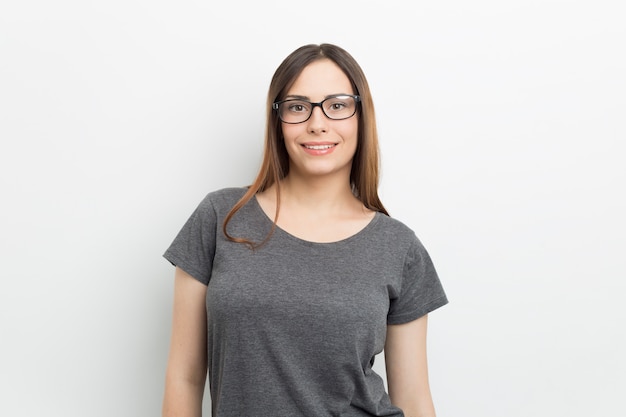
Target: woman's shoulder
x,y
397,231
223,198
228,193
394,225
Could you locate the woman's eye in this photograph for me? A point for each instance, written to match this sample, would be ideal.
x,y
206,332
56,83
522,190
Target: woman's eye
x,y
336,106
297,108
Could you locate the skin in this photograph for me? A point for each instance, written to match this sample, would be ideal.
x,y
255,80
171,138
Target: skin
x,y
407,368
187,363
317,205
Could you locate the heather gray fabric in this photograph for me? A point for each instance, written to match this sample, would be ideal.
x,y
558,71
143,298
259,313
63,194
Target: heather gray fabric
x,y
293,327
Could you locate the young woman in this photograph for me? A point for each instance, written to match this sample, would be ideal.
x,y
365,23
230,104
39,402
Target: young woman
x,y
286,290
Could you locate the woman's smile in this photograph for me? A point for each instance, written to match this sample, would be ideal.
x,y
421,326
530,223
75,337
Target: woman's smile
x,y
319,148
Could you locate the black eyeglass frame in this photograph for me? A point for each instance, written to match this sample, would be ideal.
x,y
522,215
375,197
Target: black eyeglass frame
x,y
357,100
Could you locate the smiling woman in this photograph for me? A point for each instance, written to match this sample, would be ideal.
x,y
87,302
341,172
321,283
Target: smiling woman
x,y
286,290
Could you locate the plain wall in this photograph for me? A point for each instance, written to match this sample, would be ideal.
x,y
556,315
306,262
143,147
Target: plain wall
x,y
502,133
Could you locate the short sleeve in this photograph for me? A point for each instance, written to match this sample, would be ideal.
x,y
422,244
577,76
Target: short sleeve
x,y
421,291
193,248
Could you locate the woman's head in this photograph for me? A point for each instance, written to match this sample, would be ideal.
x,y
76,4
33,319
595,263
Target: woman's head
x,y
364,173
275,166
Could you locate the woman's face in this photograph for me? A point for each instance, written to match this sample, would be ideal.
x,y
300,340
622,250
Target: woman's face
x,y
320,146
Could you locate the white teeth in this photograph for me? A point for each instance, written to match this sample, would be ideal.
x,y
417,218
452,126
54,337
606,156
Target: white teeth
x,y
318,147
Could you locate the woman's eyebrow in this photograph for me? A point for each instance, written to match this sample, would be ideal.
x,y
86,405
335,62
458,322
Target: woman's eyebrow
x,y
297,97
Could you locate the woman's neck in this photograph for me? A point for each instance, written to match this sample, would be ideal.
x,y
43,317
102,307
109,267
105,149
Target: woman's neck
x,y
316,210
319,194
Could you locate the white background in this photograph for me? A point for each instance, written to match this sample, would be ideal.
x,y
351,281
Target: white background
x,y
502,127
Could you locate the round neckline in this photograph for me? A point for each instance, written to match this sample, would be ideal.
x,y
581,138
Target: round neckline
x,y
290,236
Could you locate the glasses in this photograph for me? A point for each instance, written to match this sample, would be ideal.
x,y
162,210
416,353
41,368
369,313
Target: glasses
x,y
336,107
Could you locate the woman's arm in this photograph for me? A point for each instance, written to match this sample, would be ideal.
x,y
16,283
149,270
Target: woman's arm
x,y
407,368
187,362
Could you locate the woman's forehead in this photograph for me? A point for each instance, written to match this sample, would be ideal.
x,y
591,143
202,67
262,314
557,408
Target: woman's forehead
x,y
320,79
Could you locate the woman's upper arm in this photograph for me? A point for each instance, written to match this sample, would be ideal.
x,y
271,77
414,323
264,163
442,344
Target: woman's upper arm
x,y
407,368
188,352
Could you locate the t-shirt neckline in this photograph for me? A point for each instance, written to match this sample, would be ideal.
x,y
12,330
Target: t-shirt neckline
x,y
288,235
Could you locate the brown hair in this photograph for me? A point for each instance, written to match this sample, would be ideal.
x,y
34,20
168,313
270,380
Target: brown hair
x,y
275,166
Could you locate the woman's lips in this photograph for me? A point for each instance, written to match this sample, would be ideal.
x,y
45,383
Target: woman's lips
x,y
319,148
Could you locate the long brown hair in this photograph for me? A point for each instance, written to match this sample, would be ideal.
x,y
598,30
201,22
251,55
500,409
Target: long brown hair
x,y
275,166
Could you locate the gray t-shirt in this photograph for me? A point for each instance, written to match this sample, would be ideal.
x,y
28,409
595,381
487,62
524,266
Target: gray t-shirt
x,y
294,326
